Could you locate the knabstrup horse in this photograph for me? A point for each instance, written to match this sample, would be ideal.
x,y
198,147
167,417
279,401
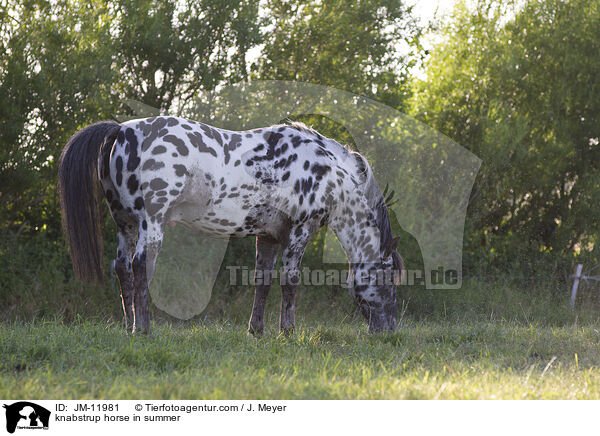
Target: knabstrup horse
x,y
280,184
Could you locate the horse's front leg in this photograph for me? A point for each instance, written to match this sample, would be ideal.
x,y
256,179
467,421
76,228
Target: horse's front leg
x,y
291,260
266,256
287,317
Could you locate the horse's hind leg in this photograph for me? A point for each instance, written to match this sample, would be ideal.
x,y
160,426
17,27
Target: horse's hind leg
x,y
126,235
148,245
266,256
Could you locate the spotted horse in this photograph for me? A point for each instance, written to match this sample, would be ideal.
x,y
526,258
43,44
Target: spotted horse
x,y
279,184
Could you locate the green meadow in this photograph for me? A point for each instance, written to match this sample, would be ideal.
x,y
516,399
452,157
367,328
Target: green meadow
x,y
539,351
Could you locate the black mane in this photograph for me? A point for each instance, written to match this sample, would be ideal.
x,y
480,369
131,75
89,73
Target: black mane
x,y
382,219
384,225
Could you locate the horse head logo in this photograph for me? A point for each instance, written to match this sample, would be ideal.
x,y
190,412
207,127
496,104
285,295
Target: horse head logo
x,y
28,415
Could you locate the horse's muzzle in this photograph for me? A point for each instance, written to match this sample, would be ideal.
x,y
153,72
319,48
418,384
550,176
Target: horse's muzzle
x,y
384,319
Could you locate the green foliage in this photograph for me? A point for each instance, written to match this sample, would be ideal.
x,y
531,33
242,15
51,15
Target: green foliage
x,y
515,83
69,63
35,282
53,81
364,47
519,87
166,51
367,48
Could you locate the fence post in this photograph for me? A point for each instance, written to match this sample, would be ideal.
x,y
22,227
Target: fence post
x,y
577,276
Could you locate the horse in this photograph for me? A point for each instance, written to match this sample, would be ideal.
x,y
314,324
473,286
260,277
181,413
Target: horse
x,y
280,184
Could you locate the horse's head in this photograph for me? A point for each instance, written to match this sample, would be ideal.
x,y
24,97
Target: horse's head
x,y
365,232
374,289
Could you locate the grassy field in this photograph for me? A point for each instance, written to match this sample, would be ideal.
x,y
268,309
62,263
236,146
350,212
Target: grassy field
x,y
423,360
487,340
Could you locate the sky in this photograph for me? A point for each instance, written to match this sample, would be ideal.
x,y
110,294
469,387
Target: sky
x,y
426,9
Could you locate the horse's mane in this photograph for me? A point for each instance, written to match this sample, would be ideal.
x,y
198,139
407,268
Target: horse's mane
x,y
382,220
384,225
303,127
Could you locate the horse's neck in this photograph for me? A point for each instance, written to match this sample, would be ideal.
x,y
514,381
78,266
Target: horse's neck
x,y
355,221
358,236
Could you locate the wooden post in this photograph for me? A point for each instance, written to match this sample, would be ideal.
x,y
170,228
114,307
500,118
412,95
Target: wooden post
x,y
577,276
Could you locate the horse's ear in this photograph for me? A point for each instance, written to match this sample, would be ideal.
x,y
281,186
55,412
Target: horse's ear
x,y
393,245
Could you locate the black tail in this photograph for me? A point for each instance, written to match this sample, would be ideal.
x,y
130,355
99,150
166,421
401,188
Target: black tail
x,y
79,197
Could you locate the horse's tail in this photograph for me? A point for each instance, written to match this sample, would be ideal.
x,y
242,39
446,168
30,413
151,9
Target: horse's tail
x,y
78,185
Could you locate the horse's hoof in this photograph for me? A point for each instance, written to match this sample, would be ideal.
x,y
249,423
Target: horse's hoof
x,y
144,331
256,332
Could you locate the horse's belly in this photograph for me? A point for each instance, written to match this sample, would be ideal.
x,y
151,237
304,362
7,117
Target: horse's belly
x,y
226,219
229,206
216,222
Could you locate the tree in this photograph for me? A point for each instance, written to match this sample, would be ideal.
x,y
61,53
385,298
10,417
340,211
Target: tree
x,y
169,50
364,47
519,87
54,79
68,63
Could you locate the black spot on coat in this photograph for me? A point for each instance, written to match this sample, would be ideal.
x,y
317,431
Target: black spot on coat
x,y
119,167
197,141
158,184
181,148
138,204
132,184
180,170
133,160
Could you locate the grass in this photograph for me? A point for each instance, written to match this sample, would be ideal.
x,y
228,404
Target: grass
x,y
491,339
423,360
